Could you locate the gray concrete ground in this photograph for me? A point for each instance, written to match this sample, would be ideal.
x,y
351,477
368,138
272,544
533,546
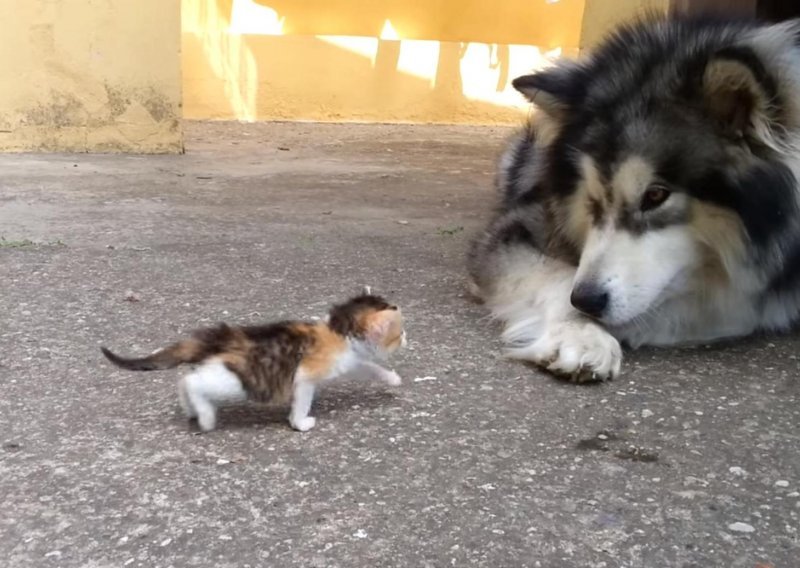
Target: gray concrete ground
x,y
489,463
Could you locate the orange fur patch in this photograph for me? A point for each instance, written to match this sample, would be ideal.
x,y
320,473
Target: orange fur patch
x,y
384,327
320,359
187,350
394,332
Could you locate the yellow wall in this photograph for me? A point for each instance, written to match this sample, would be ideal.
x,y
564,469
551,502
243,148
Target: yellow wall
x,y
600,16
368,60
106,75
90,76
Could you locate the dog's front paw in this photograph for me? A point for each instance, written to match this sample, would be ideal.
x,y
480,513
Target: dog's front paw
x,y
581,351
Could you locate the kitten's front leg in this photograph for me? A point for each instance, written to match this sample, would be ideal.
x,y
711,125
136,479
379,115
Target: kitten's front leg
x,y
377,372
301,405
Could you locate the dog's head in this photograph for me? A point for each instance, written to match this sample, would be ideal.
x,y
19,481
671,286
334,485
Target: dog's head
x,y
666,173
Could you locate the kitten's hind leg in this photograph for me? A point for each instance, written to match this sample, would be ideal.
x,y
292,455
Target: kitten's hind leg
x,y
211,385
204,409
301,405
183,398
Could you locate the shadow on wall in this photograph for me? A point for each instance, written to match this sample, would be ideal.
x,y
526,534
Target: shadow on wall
x,y
549,23
239,64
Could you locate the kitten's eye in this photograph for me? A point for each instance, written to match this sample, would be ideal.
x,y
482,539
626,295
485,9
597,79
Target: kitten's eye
x,y
654,197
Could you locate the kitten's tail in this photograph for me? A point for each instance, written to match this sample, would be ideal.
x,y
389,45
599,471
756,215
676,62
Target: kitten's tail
x,y
189,351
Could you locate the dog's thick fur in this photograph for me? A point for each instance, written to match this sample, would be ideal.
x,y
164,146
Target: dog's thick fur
x,y
656,190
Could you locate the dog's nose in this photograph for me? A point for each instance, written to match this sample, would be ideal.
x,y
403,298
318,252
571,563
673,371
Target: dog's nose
x,y
591,300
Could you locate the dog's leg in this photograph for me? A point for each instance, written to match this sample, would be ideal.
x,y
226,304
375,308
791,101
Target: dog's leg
x,y
530,292
542,327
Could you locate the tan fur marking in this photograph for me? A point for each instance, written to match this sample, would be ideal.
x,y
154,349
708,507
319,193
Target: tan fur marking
x,y
187,350
721,234
590,192
631,178
591,181
577,221
547,128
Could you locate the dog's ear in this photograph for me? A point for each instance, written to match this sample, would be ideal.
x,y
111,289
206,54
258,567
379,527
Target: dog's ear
x,y
553,90
738,92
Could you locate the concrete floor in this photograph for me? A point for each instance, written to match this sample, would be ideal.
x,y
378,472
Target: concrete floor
x,y
490,463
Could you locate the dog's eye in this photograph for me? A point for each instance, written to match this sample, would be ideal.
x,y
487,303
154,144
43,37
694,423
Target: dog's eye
x,y
654,197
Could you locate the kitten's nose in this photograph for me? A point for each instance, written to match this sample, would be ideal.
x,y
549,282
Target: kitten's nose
x,y
590,299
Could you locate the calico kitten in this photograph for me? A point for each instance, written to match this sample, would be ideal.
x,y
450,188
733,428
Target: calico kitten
x,y
279,361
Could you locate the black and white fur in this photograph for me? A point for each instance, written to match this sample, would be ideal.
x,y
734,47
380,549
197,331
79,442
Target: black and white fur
x,y
652,199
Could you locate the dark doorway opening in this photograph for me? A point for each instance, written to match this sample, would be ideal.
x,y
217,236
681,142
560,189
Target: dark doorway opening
x,y
772,10
778,10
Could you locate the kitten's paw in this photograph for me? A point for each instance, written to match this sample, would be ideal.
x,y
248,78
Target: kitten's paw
x,y
207,421
392,379
303,424
581,351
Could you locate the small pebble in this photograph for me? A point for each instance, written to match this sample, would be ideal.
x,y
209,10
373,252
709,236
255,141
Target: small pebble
x,y
131,296
741,527
421,379
360,533
736,470
646,413
781,483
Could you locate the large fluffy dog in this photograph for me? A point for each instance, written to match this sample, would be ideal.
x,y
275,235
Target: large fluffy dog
x,y
653,199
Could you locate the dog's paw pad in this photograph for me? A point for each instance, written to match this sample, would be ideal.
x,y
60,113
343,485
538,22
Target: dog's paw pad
x,y
579,351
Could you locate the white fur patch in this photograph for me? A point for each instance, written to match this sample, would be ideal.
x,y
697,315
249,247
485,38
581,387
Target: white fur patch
x,y
207,388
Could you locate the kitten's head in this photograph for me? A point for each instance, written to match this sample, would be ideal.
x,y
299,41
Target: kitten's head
x,y
370,319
